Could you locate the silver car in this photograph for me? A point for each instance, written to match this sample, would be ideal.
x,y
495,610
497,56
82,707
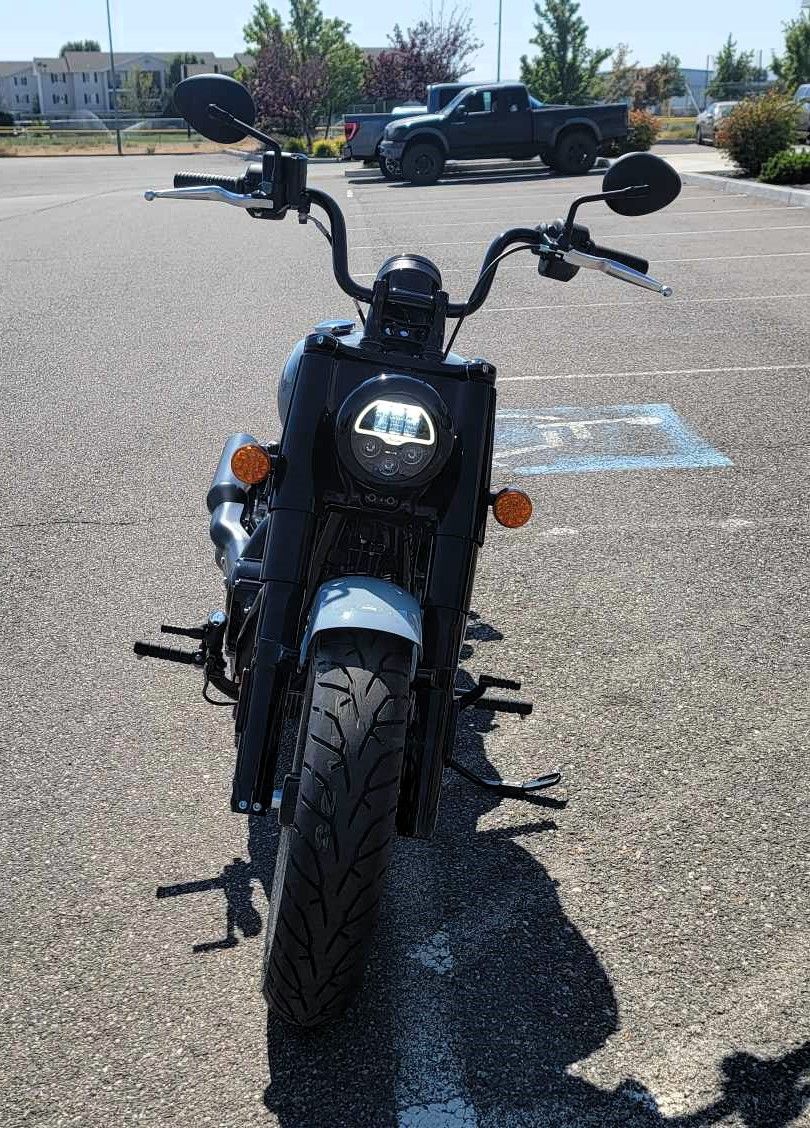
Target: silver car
x,y
708,121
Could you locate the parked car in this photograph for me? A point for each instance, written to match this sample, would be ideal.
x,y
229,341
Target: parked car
x,y
708,121
364,132
499,120
802,96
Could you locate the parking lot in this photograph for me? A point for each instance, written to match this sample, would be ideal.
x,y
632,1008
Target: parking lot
x,y
637,957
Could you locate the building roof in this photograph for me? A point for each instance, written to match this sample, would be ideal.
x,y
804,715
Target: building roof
x,y
57,66
100,60
14,68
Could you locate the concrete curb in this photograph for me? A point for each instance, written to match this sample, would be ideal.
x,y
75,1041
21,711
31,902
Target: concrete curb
x,y
792,197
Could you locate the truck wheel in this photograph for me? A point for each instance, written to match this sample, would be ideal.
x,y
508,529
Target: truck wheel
x,y
422,164
546,157
575,152
699,136
389,170
332,859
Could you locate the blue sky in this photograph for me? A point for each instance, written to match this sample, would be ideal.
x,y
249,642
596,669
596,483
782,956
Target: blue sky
x,y
690,28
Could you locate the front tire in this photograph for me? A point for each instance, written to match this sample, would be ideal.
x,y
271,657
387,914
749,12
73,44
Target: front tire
x,y
388,169
422,164
332,859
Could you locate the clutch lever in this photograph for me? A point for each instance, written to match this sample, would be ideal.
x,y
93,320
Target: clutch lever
x,y
616,270
210,192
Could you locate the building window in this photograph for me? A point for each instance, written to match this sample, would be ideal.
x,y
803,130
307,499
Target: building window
x,y
95,76
16,97
24,80
86,99
27,98
15,80
56,99
84,76
96,99
54,78
64,78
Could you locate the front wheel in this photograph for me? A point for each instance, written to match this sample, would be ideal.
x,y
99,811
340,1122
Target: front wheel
x,y
389,169
422,164
332,858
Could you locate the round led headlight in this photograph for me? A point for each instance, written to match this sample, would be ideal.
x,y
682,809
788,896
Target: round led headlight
x,y
395,430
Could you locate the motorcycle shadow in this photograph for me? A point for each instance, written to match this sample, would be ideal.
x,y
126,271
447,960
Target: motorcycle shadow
x,y
480,995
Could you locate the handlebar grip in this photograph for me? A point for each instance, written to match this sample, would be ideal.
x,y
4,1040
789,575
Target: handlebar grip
x,y
635,263
203,179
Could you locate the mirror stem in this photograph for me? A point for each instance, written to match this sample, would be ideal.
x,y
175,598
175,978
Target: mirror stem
x,y
564,241
217,112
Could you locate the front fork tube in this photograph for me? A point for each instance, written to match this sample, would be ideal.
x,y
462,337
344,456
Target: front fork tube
x,y
432,731
260,710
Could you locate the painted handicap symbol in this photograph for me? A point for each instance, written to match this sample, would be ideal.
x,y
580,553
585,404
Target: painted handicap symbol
x,y
564,440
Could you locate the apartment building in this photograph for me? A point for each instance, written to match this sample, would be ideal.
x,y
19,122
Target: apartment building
x,y
81,80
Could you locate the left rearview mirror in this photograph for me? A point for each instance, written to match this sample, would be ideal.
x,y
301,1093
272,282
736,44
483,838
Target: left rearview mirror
x,y
194,95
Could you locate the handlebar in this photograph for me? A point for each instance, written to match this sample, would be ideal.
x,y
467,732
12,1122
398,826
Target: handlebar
x,y
203,179
245,191
639,264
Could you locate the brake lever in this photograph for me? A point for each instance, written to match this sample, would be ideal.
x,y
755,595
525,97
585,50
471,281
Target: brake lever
x,y
210,192
616,270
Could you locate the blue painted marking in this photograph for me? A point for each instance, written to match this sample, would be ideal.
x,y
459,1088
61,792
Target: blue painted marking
x,y
566,440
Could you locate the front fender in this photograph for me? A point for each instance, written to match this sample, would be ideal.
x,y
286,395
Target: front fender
x,y
363,603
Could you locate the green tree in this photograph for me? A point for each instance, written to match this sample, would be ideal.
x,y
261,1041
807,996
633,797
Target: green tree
x,y
567,69
793,68
80,45
660,82
734,73
619,84
311,55
138,93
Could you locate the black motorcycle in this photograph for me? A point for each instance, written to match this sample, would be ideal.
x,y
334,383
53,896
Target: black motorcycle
x,y
349,551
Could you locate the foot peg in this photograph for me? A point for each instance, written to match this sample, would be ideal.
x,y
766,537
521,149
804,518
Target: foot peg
x,y
475,697
511,788
169,654
208,657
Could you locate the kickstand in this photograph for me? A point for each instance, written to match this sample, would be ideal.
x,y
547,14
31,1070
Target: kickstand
x,y
511,788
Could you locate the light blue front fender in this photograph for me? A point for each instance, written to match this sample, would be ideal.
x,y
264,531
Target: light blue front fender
x,y
363,603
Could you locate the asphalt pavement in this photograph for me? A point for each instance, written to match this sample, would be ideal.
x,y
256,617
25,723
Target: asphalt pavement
x,y
637,957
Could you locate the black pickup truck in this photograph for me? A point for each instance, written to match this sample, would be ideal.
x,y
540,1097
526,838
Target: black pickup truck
x,y
498,120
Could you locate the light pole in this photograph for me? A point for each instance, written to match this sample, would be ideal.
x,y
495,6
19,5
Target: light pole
x,y
113,92
500,20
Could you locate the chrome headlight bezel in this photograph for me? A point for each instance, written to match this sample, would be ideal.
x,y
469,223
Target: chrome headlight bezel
x,y
435,437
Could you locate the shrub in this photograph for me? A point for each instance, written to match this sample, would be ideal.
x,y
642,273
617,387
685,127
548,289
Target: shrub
x,y
295,145
644,128
642,131
787,167
757,129
326,148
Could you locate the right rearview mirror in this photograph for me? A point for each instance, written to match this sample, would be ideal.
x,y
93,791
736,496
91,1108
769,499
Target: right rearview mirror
x,y
642,169
194,95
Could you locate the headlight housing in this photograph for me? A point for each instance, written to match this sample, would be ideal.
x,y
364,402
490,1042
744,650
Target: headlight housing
x,y
394,431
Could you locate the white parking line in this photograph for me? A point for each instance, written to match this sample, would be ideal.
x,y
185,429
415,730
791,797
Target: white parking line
x,y
610,234
642,304
725,524
541,377
533,214
473,269
477,200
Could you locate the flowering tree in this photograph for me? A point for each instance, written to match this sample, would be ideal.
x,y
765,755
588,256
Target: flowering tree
x,y
437,49
289,91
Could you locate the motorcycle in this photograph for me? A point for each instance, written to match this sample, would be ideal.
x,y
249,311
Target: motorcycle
x,y
348,550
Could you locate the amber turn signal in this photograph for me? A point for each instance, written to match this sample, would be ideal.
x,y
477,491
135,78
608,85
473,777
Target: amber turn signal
x,y
251,464
512,508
